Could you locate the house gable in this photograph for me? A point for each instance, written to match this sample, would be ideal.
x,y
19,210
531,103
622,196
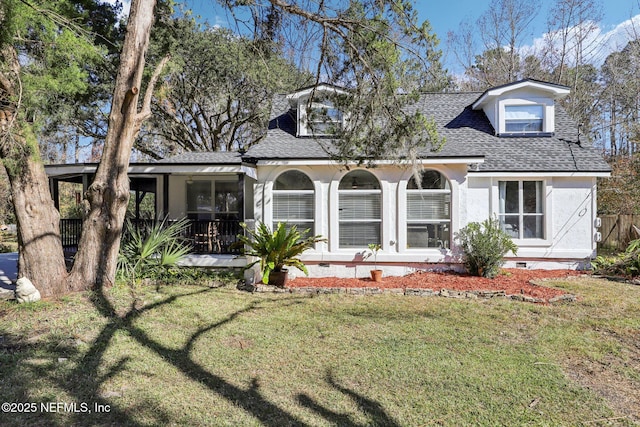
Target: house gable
x,y
524,108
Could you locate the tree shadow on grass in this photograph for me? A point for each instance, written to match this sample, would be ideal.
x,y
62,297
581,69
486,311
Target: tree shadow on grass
x,y
83,382
374,410
249,399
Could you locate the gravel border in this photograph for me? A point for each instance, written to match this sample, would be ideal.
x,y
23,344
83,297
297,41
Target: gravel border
x,y
421,292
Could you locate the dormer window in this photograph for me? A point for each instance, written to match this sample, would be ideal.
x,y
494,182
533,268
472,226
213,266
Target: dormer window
x,y
523,118
316,112
323,118
523,108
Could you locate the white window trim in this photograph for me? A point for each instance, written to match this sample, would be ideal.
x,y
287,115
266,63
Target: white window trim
x,y
265,195
429,221
263,200
539,109
430,254
547,186
337,253
548,114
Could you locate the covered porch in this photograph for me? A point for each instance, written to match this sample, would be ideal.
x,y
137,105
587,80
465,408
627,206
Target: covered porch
x,y
215,196
212,237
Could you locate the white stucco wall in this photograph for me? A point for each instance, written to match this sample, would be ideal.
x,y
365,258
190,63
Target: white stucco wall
x,y
569,219
574,217
328,259
570,212
477,205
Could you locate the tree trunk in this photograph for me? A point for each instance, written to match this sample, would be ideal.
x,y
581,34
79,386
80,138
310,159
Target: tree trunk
x,y
106,198
41,259
41,255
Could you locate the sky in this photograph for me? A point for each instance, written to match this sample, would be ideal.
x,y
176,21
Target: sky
x,y
445,16
613,31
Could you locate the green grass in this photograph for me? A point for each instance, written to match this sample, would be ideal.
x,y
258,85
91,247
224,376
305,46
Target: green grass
x,y
190,355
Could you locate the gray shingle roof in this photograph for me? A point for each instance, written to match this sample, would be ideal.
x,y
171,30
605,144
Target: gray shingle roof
x,y
201,157
467,132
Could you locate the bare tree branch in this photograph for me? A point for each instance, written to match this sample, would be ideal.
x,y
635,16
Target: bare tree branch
x,y
145,112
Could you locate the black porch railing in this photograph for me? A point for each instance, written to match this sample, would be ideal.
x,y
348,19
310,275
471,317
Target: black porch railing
x,y
206,236
216,236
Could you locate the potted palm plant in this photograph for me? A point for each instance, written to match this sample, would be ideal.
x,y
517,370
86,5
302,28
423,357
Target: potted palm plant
x,y
376,274
276,250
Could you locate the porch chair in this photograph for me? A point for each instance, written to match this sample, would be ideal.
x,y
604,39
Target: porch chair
x,y
210,238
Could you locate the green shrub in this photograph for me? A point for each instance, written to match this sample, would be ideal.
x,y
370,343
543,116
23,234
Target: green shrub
x,y
8,247
185,275
8,242
149,252
484,246
626,264
278,248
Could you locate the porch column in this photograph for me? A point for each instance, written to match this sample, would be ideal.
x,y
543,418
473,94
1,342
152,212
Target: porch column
x,y
241,208
54,187
165,195
85,183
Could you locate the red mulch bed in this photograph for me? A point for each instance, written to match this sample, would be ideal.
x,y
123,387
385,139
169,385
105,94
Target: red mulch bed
x,y
513,281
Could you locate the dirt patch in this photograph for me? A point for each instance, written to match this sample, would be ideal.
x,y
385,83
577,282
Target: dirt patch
x,y
615,377
238,341
605,379
512,282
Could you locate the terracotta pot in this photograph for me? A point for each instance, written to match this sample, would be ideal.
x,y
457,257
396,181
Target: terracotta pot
x,y
376,275
278,278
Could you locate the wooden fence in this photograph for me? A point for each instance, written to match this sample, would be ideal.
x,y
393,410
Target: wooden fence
x,y
617,231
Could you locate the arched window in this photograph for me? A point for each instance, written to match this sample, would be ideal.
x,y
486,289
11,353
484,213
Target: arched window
x,y
293,201
429,211
359,216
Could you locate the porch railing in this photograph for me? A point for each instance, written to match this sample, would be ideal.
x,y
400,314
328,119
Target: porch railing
x,y
205,236
214,237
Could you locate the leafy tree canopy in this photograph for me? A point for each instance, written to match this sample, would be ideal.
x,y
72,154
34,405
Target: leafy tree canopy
x,y
620,194
379,52
66,52
56,41
217,93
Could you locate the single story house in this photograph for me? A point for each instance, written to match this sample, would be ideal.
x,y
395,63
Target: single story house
x,y
511,152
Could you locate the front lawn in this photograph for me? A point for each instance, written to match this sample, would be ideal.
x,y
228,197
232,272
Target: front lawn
x,y
189,355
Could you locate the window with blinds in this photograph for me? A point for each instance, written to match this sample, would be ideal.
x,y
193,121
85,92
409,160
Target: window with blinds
x,y
294,201
360,218
523,118
429,211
